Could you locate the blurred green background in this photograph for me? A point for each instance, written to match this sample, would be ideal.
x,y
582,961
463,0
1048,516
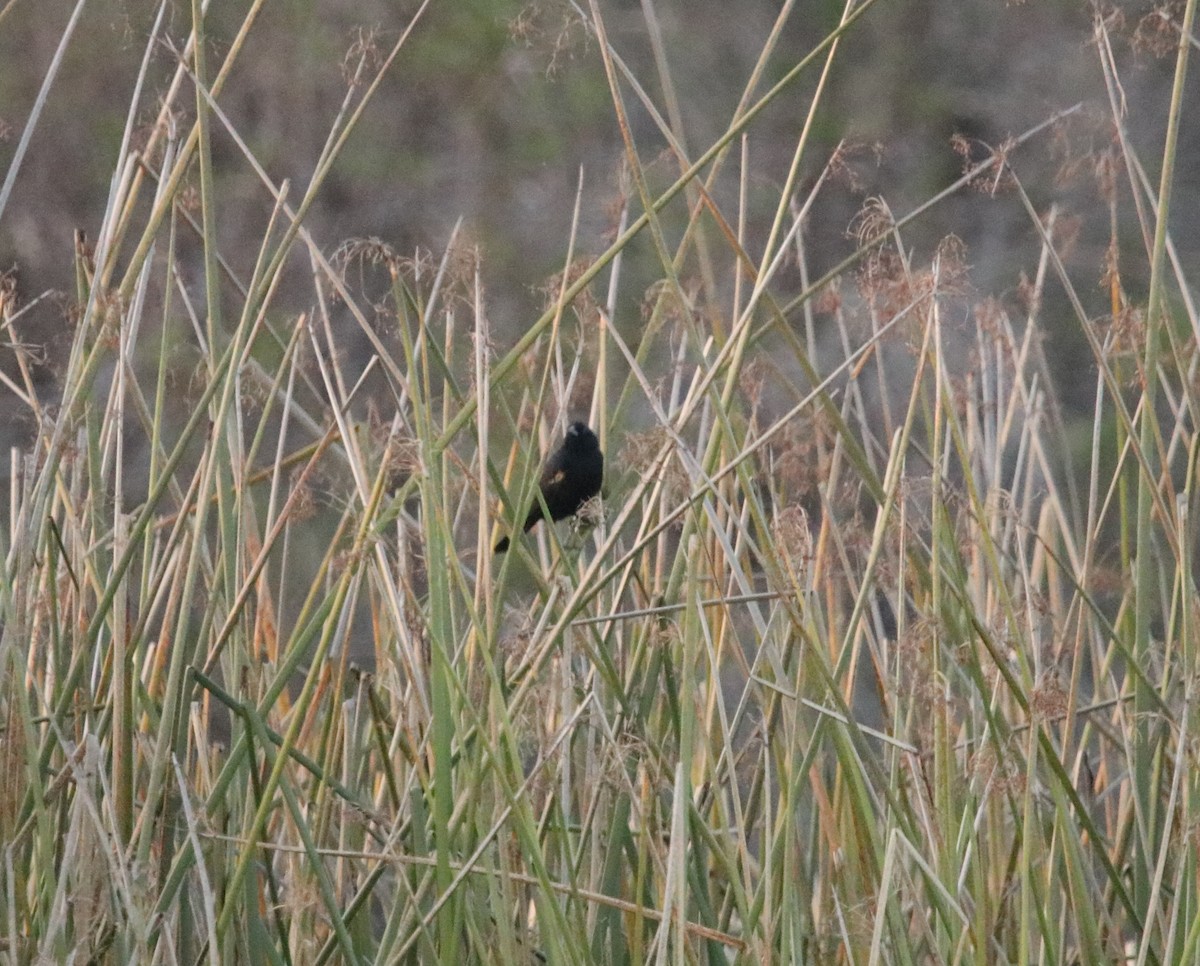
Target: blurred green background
x,y
495,110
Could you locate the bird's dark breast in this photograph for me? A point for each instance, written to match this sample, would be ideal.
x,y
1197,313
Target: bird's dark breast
x,y
567,487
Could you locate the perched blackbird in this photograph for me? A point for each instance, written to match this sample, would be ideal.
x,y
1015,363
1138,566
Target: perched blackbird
x,y
572,476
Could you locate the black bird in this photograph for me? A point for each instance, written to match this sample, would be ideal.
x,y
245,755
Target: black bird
x,y
572,476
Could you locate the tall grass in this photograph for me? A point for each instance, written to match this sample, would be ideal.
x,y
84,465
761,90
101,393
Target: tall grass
x,y
862,661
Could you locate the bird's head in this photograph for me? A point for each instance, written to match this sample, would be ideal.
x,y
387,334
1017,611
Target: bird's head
x,y
579,437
